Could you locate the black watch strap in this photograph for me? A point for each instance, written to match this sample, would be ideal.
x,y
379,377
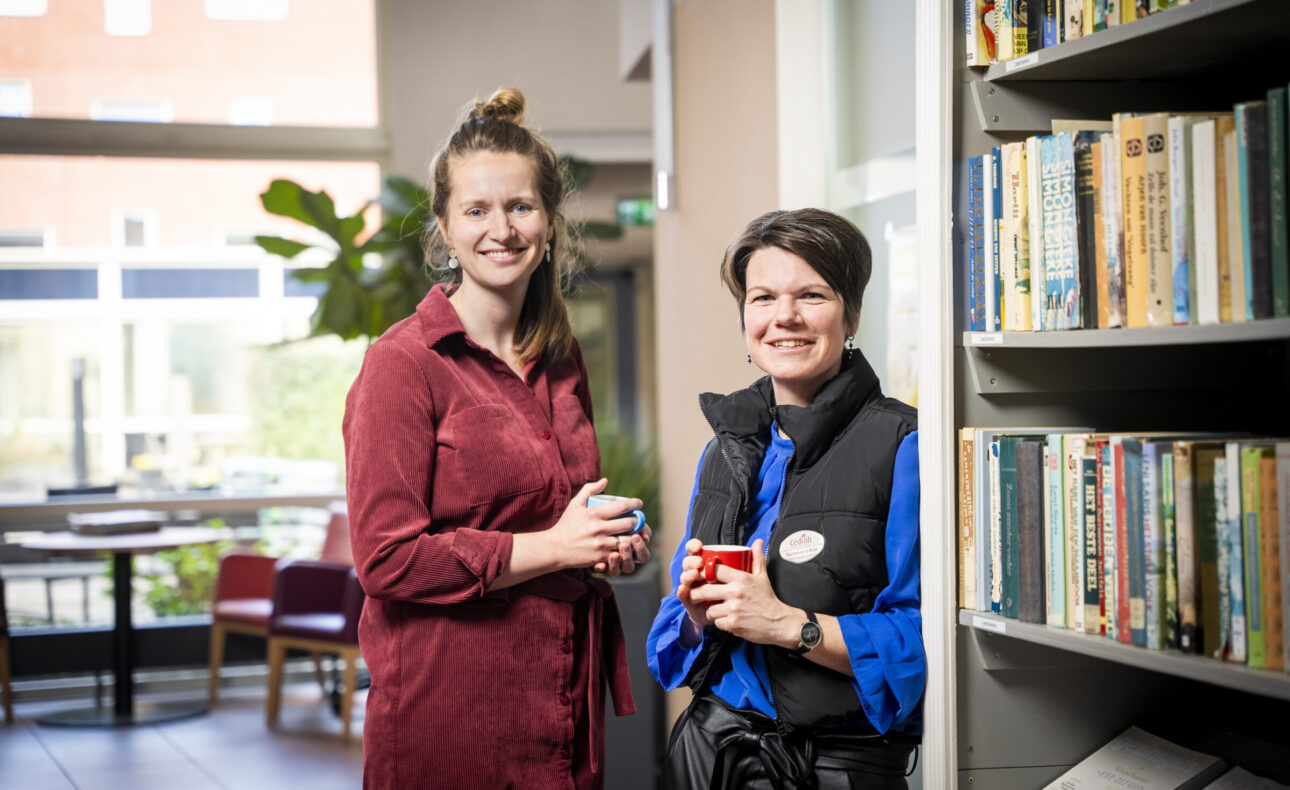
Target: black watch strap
x,y
810,635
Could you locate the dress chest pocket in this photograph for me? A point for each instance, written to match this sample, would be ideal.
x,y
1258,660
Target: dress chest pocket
x,y
487,454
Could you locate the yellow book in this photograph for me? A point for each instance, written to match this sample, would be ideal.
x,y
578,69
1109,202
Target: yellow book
x,y
1160,266
1133,175
1235,249
1223,128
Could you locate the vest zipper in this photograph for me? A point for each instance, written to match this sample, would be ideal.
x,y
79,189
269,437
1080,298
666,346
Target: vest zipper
x,y
780,726
731,536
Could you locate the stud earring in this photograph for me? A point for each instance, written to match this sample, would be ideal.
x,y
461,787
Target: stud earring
x,y
452,259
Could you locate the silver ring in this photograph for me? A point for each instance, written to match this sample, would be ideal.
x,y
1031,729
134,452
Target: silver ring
x,y
617,542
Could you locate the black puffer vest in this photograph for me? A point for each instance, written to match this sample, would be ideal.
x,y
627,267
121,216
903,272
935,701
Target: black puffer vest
x,y
837,489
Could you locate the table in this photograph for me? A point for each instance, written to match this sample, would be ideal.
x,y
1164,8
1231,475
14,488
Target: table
x,y
125,711
16,515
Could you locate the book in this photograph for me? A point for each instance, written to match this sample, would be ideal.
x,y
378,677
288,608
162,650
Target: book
x,y
1232,531
996,531
1180,212
1071,456
1240,779
1089,485
1030,520
1085,233
1107,527
1185,538
981,32
1252,180
1060,229
992,197
1009,528
1277,231
1172,630
1055,544
1098,260
976,246
1235,246
1136,758
1204,221
1050,19
1159,268
1131,466
1113,229
1014,28
1035,238
1153,542
1074,20
1283,536
1206,535
1270,547
1252,556
1099,15
967,522
1133,180
1014,286
1224,559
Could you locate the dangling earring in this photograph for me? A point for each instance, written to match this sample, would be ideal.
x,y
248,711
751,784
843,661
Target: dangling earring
x,y
750,359
850,348
452,259
546,256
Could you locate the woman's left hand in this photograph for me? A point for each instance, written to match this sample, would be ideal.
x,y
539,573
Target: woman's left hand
x,y
632,550
745,605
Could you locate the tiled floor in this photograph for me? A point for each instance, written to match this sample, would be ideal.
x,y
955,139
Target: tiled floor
x,y
229,748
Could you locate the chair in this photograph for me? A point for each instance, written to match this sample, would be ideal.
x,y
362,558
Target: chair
x,y
316,606
243,603
6,693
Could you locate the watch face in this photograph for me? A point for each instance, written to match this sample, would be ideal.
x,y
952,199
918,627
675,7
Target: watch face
x,y
810,634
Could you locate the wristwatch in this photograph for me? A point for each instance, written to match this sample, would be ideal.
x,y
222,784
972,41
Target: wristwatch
x,y
808,638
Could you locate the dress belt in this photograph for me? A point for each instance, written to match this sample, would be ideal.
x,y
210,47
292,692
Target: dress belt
x,y
608,661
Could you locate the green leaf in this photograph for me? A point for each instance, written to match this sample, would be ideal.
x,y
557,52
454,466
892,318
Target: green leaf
x,y
312,275
595,229
283,198
277,245
402,195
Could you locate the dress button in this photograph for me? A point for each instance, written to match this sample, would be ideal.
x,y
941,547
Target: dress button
x,y
546,436
564,699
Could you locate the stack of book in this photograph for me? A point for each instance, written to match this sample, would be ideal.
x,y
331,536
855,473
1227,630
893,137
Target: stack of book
x,y
1152,539
1003,30
1145,220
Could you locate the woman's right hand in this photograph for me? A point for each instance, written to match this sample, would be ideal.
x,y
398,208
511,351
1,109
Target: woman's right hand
x,y
691,578
584,536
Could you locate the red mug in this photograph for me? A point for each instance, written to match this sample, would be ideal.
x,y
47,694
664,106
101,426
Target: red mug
x,y
737,557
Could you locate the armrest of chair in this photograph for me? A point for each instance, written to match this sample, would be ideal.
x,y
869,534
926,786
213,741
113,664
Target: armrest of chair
x,y
309,586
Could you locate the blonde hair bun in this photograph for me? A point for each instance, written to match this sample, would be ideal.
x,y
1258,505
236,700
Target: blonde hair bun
x,y
506,104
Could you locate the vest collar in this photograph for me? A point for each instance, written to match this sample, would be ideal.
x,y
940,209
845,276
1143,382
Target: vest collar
x,y
744,416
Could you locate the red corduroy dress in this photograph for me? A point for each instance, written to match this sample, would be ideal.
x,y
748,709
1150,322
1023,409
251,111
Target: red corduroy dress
x,y
448,454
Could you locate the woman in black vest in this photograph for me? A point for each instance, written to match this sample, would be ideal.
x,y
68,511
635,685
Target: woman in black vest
x,y
808,671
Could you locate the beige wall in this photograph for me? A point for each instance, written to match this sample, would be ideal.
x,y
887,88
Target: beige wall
x,y
563,54
724,61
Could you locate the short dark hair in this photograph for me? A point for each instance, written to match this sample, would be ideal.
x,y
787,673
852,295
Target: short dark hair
x,y
831,245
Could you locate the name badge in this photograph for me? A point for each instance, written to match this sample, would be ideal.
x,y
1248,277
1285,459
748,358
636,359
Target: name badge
x,y
801,546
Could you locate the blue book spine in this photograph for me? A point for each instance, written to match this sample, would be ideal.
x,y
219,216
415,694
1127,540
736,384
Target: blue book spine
x,y
1108,544
1137,545
1243,177
1056,535
1061,245
1153,539
1179,219
996,538
994,282
1224,557
1232,535
976,251
1052,23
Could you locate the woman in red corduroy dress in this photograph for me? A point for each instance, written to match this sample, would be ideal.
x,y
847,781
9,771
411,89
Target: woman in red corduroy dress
x,y
470,456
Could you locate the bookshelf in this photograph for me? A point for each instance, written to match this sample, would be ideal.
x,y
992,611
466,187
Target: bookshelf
x,y
1009,704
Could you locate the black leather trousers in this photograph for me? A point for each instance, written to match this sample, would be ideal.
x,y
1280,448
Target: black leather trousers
x,y
716,747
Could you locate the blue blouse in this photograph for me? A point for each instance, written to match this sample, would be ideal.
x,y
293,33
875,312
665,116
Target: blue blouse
x,y
885,645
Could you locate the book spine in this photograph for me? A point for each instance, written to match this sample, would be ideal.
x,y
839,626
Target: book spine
x,y
1098,261
1277,232
1089,572
1133,180
1171,629
1108,528
976,250
1113,13
1283,537
1235,563
1224,560
1179,211
1006,10
1010,188
1204,222
1035,235
1113,228
1270,546
1061,308
1051,19
1160,279
1154,543
1034,25
982,514
1074,20
967,531
1185,536
1057,569
1018,299
1222,173
1136,541
1085,313
990,240
1031,607
1235,242
1123,557
1252,171
1010,551
1204,513
1073,500
996,537
1099,15
1255,656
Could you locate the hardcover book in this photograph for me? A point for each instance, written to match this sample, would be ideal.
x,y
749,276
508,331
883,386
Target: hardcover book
x,y
1113,229
976,246
1235,246
1060,229
1098,260
1185,537
1056,567
1277,164
967,522
1085,230
1136,758
1159,269
1172,632
1252,179
1133,180
1270,546
1252,556
993,199
1035,232
1232,533
1030,530
1131,462
1088,573
1009,527
1283,536
1224,559
1206,534
996,531
981,32
1107,524
1204,221
1072,456
1153,541
1180,212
